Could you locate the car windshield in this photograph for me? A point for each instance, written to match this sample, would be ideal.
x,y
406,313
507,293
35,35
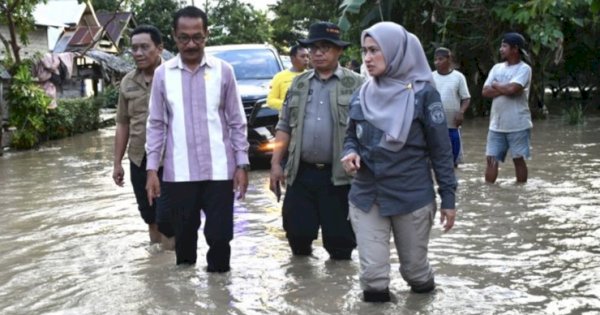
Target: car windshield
x,y
251,64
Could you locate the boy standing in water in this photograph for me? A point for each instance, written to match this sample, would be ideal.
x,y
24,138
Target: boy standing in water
x,y
452,86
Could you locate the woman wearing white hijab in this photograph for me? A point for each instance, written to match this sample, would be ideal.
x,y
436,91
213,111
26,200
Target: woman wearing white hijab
x,y
396,135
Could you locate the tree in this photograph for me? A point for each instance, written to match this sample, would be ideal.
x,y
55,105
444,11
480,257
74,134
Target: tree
x,y
293,19
473,29
160,14
17,15
107,5
233,22
544,22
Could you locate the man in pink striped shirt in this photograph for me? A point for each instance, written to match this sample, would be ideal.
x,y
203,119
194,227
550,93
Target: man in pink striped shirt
x,y
197,125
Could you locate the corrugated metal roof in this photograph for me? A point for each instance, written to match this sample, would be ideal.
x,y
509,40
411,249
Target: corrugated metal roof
x,y
114,23
84,35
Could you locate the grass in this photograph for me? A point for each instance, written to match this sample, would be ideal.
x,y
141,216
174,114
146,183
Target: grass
x,y
573,115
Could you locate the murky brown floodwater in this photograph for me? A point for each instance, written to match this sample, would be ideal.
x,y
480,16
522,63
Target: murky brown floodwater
x,y
72,242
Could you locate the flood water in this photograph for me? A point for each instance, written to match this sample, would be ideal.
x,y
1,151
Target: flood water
x,y
72,242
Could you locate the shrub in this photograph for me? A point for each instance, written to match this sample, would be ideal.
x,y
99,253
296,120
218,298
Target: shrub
x,y
72,116
108,98
574,114
28,105
28,112
22,139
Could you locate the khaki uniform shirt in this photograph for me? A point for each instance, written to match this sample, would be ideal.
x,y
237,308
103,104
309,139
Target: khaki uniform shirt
x,y
317,135
132,109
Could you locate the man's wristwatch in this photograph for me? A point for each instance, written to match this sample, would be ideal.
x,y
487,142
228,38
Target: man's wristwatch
x,y
245,167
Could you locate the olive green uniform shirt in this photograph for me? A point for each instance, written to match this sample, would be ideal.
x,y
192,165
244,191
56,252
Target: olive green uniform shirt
x,y
315,115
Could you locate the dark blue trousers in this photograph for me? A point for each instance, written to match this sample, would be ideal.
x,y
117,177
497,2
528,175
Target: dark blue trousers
x,y
313,202
215,198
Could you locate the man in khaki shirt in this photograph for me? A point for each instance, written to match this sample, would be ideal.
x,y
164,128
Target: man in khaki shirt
x,y
132,113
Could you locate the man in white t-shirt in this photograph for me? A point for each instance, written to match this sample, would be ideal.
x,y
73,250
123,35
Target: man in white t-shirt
x,y
452,86
510,119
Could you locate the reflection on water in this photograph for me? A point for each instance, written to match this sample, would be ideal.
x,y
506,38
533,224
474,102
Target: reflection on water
x,y
73,243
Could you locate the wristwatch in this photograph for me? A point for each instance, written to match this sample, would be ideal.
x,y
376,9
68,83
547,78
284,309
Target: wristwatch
x,y
245,167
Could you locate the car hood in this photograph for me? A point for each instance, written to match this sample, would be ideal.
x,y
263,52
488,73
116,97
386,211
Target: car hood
x,y
253,88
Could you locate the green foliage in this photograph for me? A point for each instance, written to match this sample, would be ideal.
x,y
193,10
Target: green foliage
x,y
541,19
28,112
23,139
230,21
293,19
108,98
349,6
563,37
595,6
60,123
28,104
111,5
17,15
160,14
72,116
573,115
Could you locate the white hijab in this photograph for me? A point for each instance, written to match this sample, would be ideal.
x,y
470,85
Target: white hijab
x,y
388,101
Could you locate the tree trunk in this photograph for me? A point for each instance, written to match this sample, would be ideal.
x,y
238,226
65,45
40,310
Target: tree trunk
x,y
13,36
7,47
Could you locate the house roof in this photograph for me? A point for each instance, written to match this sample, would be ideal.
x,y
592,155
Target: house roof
x,y
58,12
63,42
87,30
43,21
120,64
110,61
77,19
84,35
114,23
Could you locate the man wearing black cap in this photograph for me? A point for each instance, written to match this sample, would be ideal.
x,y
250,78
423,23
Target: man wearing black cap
x,y
311,131
510,119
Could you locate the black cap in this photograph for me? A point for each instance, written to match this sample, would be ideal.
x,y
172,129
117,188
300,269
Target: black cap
x,y
324,31
442,51
516,39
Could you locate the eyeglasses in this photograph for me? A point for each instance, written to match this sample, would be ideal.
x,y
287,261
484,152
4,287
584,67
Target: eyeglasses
x,y
185,39
370,50
324,48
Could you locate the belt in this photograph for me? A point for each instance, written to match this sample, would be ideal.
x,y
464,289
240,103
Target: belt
x,y
316,166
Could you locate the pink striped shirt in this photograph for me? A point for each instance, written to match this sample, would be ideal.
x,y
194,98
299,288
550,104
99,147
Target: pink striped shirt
x,y
196,122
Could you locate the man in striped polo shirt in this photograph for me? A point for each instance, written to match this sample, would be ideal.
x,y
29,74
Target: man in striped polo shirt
x,y
197,124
